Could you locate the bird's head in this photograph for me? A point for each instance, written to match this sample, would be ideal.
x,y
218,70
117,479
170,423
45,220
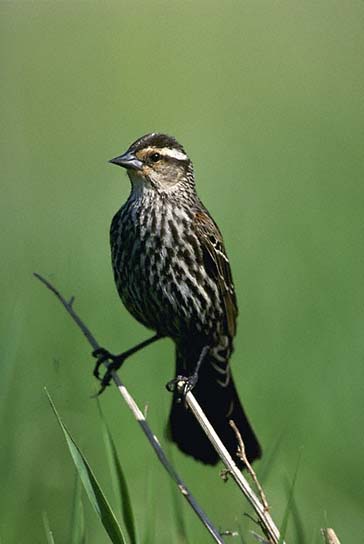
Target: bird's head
x,y
156,161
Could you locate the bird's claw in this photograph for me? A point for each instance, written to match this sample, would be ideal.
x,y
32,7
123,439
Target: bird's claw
x,y
190,383
101,352
182,384
102,355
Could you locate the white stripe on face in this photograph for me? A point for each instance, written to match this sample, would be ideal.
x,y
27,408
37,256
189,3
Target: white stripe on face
x,y
167,152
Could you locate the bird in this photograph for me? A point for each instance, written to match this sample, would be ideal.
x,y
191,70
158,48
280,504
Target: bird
x,y
173,275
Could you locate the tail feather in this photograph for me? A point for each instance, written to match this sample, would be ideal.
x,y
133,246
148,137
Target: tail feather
x,y
217,395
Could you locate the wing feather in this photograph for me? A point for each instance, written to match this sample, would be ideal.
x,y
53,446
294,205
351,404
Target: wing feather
x,y
217,266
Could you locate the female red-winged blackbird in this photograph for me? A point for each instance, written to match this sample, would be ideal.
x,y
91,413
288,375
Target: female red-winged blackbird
x,y
173,275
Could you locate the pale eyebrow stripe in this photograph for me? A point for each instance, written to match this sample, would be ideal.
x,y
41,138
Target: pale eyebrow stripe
x,y
167,152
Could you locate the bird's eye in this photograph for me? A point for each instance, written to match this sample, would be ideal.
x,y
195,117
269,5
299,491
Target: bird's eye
x,y
155,157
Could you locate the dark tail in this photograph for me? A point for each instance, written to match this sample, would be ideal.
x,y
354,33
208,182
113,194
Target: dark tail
x,y
220,402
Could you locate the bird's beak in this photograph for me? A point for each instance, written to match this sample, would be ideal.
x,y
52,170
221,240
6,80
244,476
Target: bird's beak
x,y
128,160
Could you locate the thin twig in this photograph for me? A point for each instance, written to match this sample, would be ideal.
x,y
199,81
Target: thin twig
x,y
68,305
265,520
330,536
242,455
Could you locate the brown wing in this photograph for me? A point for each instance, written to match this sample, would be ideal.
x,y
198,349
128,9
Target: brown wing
x,y
217,265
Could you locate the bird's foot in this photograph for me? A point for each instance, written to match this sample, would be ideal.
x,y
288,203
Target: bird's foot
x,y
182,384
115,361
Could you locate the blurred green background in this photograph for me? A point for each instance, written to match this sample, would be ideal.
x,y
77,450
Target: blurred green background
x,y
267,98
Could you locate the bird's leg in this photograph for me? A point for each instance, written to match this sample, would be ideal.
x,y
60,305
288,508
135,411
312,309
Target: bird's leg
x,y
184,384
102,355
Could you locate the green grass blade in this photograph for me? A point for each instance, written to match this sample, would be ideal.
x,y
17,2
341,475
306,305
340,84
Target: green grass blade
x,y
47,529
242,530
91,486
119,482
297,519
284,525
270,458
77,529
